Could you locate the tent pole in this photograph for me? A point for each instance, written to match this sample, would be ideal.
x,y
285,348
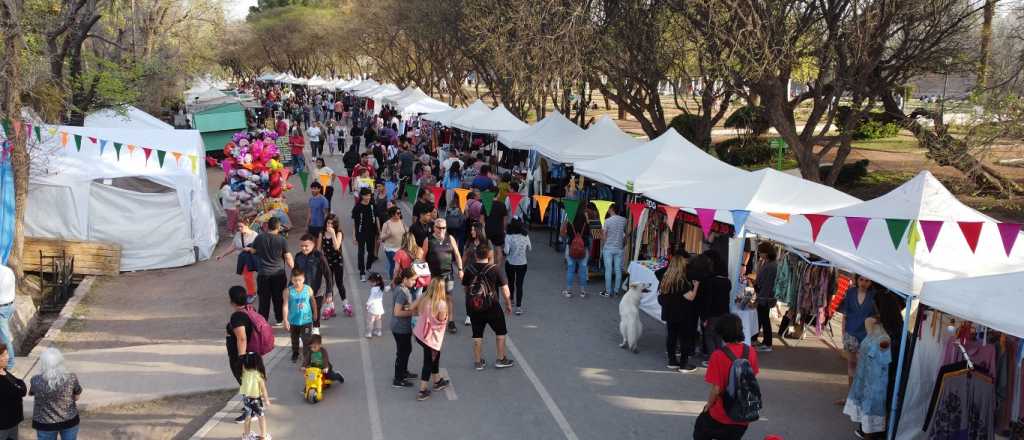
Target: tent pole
x,y
737,260
899,368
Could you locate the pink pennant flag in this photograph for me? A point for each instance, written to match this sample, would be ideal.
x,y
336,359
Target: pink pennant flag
x,y
344,182
436,191
147,152
670,215
971,231
636,209
930,229
513,199
92,139
816,220
857,225
706,217
1008,232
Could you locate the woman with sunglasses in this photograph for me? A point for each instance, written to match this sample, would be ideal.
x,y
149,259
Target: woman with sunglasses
x,y
391,236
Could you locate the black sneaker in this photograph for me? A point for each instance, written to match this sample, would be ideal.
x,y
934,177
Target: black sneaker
x,y
688,368
409,375
401,383
451,327
605,294
423,395
295,357
240,419
673,365
504,363
481,365
441,384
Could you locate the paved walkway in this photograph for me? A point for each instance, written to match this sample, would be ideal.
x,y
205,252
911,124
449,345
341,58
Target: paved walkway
x,y
570,381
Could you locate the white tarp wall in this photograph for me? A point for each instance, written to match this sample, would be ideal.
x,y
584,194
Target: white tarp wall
x,y
73,195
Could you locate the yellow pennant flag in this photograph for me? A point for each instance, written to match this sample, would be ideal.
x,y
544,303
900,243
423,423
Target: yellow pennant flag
x,y
462,194
913,238
194,159
325,179
542,202
52,131
602,208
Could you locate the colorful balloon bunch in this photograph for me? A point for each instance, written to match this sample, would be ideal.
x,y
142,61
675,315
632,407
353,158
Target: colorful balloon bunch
x,y
253,169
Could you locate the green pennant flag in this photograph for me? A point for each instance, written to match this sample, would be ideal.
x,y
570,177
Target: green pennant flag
x,y
117,150
487,198
78,142
897,227
304,176
7,127
39,134
411,192
160,154
571,206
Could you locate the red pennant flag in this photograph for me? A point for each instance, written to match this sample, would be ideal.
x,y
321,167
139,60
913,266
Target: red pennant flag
x,y
635,210
513,199
857,225
971,231
92,139
437,191
670,215
211,162
816,220
343,181
930,229
250,281
706,217
1008,232
147,151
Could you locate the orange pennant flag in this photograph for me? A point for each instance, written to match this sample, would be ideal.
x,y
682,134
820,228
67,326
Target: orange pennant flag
x,y
462,194
542,202
670,215
177,158
325,180
780,215
131,149
250,281
64,139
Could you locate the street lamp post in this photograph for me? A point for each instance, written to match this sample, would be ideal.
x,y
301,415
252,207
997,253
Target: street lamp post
x,y
942,103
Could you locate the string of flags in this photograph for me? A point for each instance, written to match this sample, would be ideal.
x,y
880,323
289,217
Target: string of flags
x,y
66,137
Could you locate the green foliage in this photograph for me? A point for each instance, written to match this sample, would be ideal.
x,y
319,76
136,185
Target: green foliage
x,y
745,151
687,124
749,117
111,84
850,173
876,130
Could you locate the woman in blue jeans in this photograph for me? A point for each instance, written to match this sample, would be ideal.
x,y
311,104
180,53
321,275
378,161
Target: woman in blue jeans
x,y
56,391
576,267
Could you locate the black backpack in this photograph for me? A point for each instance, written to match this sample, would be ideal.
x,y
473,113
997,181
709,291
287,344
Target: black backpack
x,y
480,295
742,395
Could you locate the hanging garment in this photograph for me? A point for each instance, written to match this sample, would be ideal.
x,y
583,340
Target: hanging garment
x,y
865,403
963,407
928,350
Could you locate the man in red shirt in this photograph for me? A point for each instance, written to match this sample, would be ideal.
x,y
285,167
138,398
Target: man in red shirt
x,y
713,423
364,164
282,127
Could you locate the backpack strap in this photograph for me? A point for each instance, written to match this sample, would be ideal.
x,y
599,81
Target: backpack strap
x,y
729,354
746,351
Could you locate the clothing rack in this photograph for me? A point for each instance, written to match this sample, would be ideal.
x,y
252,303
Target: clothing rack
x,y
963,352
820,263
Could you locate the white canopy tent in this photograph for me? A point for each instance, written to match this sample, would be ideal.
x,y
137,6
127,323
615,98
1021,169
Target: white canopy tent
x,y
547,137
425,105
360,84
665,162
409,93
132,118
269,76
899,269
993,301
161,216
446,117
382,92
317,82
493,122
602,139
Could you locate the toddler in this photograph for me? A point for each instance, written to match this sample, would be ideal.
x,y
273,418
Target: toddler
x,y
375,306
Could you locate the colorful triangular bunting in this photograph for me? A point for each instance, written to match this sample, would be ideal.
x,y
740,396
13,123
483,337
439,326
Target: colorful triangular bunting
x,y
542,203
739,218
195,163
462,194
897,227
1009,232
436,191
636,209
670,215
103,145
571,206
971,232
706,218
930,230
487,198
602,208
147,152
304,177
856,226
78,142
817,221
411,193
160,154
514,199
913,238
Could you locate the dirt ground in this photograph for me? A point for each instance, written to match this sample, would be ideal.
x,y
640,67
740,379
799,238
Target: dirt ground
x,y
175,418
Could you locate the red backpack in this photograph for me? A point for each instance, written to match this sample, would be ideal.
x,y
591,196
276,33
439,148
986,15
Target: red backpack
x,y
262,340
577,248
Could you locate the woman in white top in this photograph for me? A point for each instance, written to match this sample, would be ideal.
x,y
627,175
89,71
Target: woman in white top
x,y
517,244
391,234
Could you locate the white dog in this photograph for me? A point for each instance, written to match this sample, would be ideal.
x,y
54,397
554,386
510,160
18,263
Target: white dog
x,y
629,315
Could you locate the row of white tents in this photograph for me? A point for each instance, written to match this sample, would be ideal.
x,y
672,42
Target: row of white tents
x,y
409,101
675,172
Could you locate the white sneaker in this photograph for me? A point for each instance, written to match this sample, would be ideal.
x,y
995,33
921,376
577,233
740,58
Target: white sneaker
x,y
468,321
369,335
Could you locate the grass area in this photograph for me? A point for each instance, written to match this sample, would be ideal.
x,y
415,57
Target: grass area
x,y
787,164
901,143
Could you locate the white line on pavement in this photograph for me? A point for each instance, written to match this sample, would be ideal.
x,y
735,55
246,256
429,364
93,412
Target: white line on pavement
x,y
450,391
548,401
376,427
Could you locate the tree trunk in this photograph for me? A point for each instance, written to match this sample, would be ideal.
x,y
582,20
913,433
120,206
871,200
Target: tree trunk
x,y
986,42
10,14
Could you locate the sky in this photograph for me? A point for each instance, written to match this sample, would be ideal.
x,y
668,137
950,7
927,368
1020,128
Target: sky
x,y
237,9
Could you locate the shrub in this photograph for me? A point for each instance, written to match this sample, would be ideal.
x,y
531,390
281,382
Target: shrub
x,y
745,151
749,117
850,173
876,130
687,125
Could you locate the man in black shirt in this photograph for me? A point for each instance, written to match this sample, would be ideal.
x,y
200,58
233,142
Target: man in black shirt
x,y
496,283
271,250
494,227
424,203
423,226
365,229
357,137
